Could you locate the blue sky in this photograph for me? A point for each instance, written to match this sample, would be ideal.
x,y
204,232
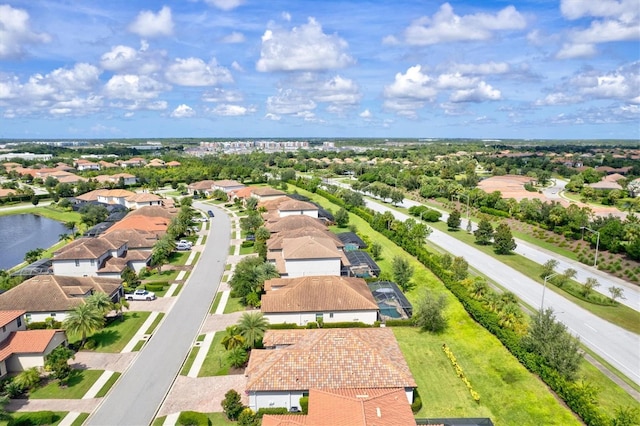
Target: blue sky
x,y
552,69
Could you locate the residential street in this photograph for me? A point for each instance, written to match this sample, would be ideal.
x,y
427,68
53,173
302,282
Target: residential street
x,y
617,346
140,391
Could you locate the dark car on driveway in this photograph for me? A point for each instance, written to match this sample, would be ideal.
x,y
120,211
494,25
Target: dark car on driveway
x,y
210,213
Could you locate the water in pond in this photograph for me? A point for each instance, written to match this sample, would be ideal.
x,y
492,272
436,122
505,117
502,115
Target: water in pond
x,y
20,233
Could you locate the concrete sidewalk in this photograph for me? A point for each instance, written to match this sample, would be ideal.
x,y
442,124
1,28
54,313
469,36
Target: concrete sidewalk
x,y
141,333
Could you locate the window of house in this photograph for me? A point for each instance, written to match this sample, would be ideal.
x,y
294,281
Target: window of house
x,y
93,262
319,317
53,314
77,262
4,328
331,315
19,321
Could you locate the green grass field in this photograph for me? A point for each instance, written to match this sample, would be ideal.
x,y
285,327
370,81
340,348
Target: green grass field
x,y
215,363
79,383
233,305
112,380
115,336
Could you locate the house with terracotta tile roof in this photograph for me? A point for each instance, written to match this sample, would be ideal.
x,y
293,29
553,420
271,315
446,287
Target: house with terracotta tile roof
x,y
156,162
107,165
45,296
204,187
7,192
296,361
98,257
227,185
151,223
293,207
266,193
308,255
173,164
289,223
82,165
350,407
318,298
132,162
20,348
243,193
127,178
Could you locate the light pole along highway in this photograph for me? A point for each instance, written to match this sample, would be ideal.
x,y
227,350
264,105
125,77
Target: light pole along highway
x,y
139,392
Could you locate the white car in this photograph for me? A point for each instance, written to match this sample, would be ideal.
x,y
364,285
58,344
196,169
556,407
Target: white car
x,y
141,295
189,243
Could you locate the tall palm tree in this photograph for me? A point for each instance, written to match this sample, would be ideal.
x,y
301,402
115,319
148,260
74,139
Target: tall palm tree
x,y
232,339
83,320
252,326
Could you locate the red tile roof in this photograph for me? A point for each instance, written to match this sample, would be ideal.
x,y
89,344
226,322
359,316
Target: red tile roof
x,y
26,342
8,316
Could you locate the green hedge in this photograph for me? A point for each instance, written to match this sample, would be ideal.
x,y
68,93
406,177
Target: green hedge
x,y
271,410
34,418
417,402
304,404
192,418
494,212
345,325
284,326
154,287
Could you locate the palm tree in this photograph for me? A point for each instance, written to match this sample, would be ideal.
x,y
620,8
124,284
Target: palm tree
x,y
100,301
84,319
237,357
252,326
232,339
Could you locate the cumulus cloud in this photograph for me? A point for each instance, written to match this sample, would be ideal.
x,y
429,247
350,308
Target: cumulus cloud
x,y
304,48
366,114
414,84
229,110
289,102
482,92
222,96
446,26
195,72
225,4
234,37
125,59
134,87
148,24
487,68
15,32
183,111
576,9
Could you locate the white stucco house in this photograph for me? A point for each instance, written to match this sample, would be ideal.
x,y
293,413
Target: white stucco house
x,y
52,296
327,299
308,255
20,348
292,207
295,361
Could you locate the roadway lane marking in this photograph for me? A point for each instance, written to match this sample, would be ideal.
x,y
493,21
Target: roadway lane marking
x,y
590,327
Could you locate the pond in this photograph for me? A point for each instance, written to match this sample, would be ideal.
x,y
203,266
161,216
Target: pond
x,y
20,233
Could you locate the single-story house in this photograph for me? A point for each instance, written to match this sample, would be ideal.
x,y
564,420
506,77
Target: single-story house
x,y
266,193
318,298
227,185
20,348
296,361
45,296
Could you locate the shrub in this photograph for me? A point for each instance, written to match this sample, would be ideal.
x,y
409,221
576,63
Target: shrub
x,y
271,410
416,405
345,325
247,244
35,418
154,287
284,326
304,404
312,325
399,323
232,404
193,418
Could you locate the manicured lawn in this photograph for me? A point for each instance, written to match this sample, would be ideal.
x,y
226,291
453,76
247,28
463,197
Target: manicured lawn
x,y
57,416
102,392
246,250
79,383
189,361
114,337
79,421
155,323
509,393
179,257
216,302
217,419
620,315
165,275
233,305
45,211
215,363
138,346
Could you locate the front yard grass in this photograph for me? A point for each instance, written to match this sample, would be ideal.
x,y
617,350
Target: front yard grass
x,y
246,250
57,416
155,323
115,336
80,382
165,275
114,377
216,302
215,363
79,421
509,393
233,305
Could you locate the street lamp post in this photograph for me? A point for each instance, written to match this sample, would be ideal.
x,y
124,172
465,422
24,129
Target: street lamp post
x,y
468,218
595,261
544,287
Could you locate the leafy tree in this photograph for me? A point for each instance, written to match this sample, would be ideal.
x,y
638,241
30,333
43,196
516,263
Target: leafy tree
x,y
232,339
484,233
35,200
251,203
549,267
503,240
567,276
92,214
551,340
252,326
342,218
589,285
130,278
232,404
376,250
57,363
396,196
446,261
251,222
429,315
459,268
616,293
453,221
402,272
84,319
248,418
33,255
162,250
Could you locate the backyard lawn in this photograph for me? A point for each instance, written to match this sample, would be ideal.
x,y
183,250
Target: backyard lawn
x,y
115,336
79,383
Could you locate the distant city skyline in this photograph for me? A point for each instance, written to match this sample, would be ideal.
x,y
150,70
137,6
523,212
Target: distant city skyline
x,y
532,69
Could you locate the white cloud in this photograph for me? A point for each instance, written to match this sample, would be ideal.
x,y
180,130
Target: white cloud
x,y
222,96
234,37
288,102
149,24
414,84
183,111
366,114
578,50
15,32
608,31
229,110
482,92
134,87
557,99
487,68
620,9
455,81
236,66
225,4
304,48
118,58
286,16
446,26
195,72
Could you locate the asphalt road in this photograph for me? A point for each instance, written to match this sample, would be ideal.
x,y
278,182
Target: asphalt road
x,y
139,392
617,346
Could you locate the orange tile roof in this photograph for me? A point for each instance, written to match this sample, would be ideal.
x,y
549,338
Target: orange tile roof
x,y
244,192
291,205
26,342
317,294
141,223
328,359
8,316
293,222
143,197
7,192
275,242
